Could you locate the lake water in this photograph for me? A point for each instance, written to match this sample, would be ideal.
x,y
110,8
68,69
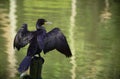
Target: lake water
x,y
90,26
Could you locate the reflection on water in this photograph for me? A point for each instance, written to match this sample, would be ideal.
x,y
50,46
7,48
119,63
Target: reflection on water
x,y
71,37
95,48
7,20
106,15
12,27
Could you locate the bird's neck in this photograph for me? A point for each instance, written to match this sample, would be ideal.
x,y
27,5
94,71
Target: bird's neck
x,y
40,27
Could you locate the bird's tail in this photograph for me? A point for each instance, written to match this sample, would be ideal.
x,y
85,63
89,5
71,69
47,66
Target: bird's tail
x,y
25,64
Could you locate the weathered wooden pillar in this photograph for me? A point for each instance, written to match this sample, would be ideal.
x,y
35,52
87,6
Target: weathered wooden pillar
x,y
35,68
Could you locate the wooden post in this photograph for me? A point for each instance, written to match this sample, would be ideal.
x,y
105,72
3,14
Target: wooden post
x,y
36,67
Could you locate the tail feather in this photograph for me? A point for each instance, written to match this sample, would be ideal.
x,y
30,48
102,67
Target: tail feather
x,y
25,64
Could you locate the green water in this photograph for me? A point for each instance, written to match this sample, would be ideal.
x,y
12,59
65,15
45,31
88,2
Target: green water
x,y
96,37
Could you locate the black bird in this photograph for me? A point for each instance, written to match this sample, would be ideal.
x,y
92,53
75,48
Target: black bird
x,y
39,41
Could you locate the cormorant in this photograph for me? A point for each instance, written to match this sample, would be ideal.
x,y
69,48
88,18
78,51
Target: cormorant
x,y
39,41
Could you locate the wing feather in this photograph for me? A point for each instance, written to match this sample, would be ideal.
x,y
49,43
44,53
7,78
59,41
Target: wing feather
x,y
23,37
55,39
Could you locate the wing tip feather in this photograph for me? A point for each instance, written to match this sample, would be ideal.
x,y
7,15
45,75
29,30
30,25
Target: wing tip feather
x,y
70,55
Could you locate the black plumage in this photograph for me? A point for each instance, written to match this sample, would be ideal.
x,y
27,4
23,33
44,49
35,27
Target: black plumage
x,y
40,40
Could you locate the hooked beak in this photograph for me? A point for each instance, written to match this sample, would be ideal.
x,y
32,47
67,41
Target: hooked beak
x,y
48,23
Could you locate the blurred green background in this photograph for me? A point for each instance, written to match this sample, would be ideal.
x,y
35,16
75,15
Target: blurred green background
x,y
93,35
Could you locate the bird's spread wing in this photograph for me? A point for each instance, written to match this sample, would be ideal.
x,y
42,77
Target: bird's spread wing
x,y
56,40
23,37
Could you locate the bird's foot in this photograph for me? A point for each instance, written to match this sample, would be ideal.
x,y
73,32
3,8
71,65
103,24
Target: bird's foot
x,y
22,75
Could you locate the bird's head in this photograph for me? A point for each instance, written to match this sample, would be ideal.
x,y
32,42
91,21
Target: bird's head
x,y
41,22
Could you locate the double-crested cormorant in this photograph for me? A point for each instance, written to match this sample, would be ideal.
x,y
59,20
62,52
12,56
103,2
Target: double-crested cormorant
x,y
39,41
